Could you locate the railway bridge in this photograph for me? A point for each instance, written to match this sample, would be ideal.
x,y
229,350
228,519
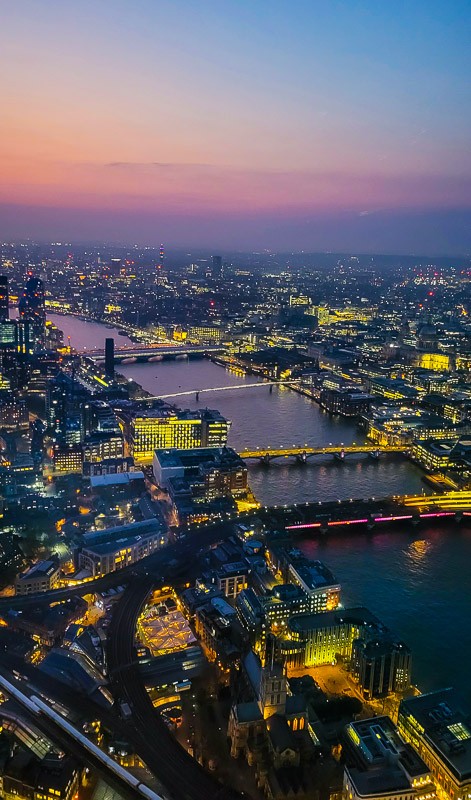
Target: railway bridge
x,y
157,352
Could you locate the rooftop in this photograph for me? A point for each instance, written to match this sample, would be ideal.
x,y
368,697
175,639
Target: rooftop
x,y
198,456
121,478
353,616
314,574
142,527
386,763
112,544
42,569
446,725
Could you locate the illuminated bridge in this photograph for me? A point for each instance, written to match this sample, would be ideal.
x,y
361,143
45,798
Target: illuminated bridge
x,y
235,387
339,451
157,352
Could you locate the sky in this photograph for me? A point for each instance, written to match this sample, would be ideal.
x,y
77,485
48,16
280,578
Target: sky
x,y
248,124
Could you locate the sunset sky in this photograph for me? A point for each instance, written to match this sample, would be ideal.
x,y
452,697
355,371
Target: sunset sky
x,y
251,124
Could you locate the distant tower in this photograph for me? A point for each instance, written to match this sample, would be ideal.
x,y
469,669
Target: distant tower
x,y
217,266
3,297
32,307
109,357
161,262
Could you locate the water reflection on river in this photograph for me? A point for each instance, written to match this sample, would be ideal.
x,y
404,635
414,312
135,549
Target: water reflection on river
x,y
415,579
282,418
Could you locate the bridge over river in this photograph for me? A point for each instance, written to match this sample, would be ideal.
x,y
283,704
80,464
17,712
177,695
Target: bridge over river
x,y
339,451
157,352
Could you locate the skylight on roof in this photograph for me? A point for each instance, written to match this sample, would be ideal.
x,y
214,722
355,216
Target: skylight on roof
x,y
459,730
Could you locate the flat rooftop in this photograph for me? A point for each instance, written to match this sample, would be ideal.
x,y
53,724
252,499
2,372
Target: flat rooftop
x,y
315,575
142,527
379,738
112,545
330,619
115,479
447,727
196,456
388,764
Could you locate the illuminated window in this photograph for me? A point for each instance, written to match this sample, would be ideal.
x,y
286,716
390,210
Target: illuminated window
x,y
459,730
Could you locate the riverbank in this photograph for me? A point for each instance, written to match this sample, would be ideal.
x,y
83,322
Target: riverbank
x,y
261,418
412,576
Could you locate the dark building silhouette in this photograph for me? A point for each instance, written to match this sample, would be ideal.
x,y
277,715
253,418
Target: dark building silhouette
x,y
217,266
109,357
3,297
32,308
31,305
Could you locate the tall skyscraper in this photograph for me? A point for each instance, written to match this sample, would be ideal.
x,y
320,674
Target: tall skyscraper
x,y
109,357
3,297
217,266
31,305
32,308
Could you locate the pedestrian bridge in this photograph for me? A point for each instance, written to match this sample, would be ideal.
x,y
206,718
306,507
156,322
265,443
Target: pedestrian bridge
x,y
339,451
233,387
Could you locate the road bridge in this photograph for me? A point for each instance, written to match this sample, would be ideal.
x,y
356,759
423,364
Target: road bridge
x,y
198,536
339,451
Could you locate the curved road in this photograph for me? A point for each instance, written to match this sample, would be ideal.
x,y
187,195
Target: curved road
x,y
179,773
160,563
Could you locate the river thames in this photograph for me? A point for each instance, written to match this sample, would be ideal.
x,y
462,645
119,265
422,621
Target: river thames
x,y
415,579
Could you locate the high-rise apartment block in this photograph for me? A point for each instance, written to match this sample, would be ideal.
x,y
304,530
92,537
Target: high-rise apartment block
x,y
3,297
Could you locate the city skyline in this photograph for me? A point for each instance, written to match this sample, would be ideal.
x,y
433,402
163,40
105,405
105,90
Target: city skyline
x,y
250,507
235,400
339,127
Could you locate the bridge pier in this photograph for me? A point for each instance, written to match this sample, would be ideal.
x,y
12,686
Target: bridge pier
x,y
301,457
265,459
197,396
374,455
340,456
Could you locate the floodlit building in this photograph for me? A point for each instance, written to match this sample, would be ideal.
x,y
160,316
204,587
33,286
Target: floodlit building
x,y
67,458
315,581
182,430
382,766
103,445
379,662
115,548
440,730
41,577
165,633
